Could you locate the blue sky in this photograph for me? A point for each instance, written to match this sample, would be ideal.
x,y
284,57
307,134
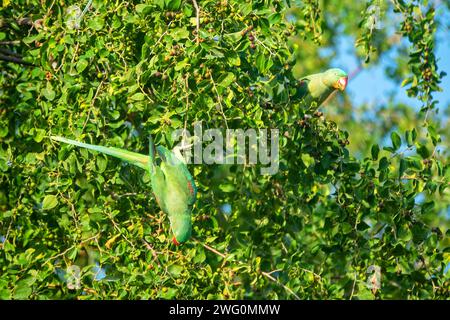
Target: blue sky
x,y
372,85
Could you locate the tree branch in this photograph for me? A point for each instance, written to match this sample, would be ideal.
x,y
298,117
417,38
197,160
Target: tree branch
x,y
4,23
197,19
14,60
10,42
9,52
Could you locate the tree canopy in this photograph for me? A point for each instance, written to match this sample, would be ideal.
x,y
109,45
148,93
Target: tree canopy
x,y
357,210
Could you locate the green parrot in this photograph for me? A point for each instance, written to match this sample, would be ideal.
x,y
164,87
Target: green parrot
x,y
318,87
172,184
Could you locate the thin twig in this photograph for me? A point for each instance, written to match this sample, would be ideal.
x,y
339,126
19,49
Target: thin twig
x,y
10,42
74,212
312,272
14,60
273,271
401,152
20,22
92,104
219,100
75,51
159,40
353,288
425,120
267,48
187,103
328,98
120,231
128,194
154,254
211,249
145,93
214,250
197,20
281,284
70,248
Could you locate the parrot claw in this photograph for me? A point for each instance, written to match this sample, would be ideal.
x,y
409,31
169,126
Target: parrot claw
x,y
175,242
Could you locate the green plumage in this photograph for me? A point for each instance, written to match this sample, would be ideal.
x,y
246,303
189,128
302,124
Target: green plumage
x,y
172,184
316,88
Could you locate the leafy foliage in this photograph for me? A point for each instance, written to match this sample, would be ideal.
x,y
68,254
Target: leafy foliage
x,y
343,200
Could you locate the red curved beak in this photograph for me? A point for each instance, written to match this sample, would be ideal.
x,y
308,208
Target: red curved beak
x,y
342,83
175,242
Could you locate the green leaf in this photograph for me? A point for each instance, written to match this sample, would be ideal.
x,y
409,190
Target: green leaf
x,y
39,134
199,257
435,137
173,4
50,201
160,3
307,159
23,288
81,65
261,62
22,292
246,8
137,96
227,187
181,65
375,152
102,163
143,8
227,79
408,138
402,167
406,81
396,140
175,270
427,207
234,59
414,134
3,130
48,92
180,33
5,294
96,23
383,164
423,151
274,18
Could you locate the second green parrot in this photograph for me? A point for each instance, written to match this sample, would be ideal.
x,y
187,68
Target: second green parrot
x,y
318,87
172,184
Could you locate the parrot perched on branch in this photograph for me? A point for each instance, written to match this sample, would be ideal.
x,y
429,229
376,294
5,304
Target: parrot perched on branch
x,y
172,184
318,87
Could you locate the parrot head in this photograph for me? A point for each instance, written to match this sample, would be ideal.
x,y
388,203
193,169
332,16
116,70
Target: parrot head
x,y
181,228
336,78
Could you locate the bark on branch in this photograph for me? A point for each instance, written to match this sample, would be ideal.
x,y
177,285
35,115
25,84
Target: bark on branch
x,y
6,23
14,59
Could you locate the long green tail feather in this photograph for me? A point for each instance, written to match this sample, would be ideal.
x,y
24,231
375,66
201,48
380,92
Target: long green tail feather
x,y
134,158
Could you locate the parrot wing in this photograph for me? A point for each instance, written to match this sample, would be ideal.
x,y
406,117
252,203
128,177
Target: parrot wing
x,y
183,175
